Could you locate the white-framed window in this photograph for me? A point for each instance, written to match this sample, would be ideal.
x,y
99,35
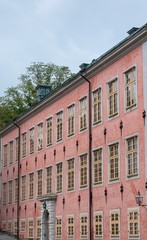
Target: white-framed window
x,y
71,120
97,106
70,174
32,145
16,148
15,227
49,179
58,227
5,155
115,223
132,156
97,167
40,136
11,152
24,145
16,190
10,192
49,131
98,225
83,113
22,225
114,162
83,171
39,183
23,188
133,223
84,226
130,88
4,193
31,185
59,177
38,228
10,226
31,228
59,125
70,226
113,98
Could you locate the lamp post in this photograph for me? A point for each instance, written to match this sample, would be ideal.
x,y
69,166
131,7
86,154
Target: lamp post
x,y
139,199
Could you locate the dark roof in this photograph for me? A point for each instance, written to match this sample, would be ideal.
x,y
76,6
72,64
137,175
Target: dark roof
x,y
84,67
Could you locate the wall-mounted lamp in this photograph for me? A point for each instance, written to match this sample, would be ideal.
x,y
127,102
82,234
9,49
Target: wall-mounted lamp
x,y
121,190
44,156
77,144
79,198
63,201
106,193
105,133
35,206
54,152
121,126
139,200
144,115
25,207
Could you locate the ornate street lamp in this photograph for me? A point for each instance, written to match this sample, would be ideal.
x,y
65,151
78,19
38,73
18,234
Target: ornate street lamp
x,y
139,200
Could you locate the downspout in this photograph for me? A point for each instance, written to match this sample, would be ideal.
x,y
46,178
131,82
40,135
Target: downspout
x,y
90,158
18,189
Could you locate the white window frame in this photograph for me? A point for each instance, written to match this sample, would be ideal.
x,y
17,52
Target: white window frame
x,y
49,118
138,210
87,114
98,213
83,188
115,180
84,215
99,122
138,156
60,139
22,220
93,150
74,125
40,145
58,237
111,212
58,193
124,75
109,118
71,216
68,191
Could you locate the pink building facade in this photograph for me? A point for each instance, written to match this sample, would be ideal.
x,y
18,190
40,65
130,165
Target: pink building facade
x,y
72,165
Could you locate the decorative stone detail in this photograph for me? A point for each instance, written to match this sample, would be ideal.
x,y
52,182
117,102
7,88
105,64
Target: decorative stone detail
x,y
48,216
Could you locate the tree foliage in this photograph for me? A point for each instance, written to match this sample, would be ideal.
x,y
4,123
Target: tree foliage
x,y
18,99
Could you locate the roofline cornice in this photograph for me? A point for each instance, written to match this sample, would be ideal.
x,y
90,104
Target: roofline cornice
x,y
99,65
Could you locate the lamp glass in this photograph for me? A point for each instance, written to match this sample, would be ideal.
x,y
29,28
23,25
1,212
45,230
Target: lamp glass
x,y
139,199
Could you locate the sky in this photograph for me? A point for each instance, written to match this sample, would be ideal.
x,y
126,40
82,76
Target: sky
x,y
63,32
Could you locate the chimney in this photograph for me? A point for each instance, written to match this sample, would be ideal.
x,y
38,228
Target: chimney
x,y
83,66
42,91
132,30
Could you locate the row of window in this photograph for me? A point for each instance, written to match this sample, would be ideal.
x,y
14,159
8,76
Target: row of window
x,y
11,227
131,101
113,166
115,228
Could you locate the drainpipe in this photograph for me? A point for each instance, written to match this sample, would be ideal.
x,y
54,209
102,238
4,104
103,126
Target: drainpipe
x,y
90,158
18,190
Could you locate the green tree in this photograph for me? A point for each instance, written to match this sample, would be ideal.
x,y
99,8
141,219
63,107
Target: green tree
x,y
18,99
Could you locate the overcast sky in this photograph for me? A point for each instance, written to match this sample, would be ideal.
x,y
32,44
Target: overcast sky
x,y
64,32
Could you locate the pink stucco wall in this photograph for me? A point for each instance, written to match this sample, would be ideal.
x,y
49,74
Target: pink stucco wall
x,y
132,123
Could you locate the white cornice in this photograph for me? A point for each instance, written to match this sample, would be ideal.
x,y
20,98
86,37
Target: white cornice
x,y
100,64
